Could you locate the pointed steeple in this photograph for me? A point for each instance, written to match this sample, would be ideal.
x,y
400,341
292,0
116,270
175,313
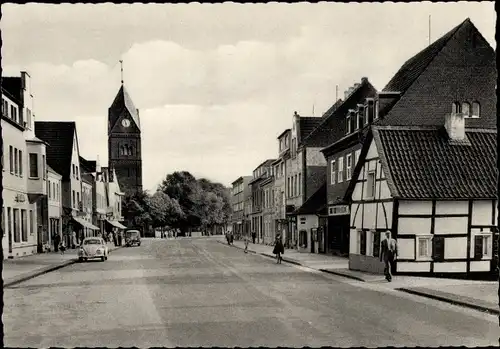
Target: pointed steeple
x,y
122,102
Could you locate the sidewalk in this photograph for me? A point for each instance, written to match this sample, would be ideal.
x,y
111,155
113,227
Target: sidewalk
x,y
25,268
479,295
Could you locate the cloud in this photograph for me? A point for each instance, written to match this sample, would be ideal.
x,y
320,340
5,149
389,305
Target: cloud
x,y
216,109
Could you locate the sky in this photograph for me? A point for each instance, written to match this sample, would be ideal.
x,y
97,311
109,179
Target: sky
x,y
215,83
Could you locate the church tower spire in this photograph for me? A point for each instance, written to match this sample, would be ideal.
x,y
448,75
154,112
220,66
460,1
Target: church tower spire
x,y
121,69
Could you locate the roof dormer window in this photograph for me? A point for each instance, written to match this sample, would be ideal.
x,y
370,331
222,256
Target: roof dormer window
x,y
476,109
348,123
466,109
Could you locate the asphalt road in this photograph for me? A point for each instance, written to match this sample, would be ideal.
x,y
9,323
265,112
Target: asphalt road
x,y
202,293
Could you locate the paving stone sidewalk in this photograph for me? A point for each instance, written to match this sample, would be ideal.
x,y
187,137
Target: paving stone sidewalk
x,y
480,295
27,267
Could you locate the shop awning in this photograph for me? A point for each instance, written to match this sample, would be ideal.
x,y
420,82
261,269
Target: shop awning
x,y
85,224
116,224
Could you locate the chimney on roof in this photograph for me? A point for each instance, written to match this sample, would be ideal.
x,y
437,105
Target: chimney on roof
x,y
364,79
454,124
356,85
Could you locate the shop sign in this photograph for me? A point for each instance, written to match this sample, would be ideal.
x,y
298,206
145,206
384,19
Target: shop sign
x,y
338,210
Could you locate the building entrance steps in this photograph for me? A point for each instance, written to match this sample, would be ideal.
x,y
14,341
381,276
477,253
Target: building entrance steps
x,y
479,295
24,268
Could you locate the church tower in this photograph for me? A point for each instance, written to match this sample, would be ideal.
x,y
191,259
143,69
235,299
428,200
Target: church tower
x,y
124,142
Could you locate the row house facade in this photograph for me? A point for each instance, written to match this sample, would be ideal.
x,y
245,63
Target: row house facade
x,y
280,182
262,173
24,170
54,197
241,204
114,199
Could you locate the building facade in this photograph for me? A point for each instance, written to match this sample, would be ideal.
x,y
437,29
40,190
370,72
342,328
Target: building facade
x,y
280,166
54,184
260,174
114,200
239,200
438,200
24,166
124,142
268,209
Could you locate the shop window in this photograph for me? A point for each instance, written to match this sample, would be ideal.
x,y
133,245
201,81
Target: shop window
x,y
17,233
24,226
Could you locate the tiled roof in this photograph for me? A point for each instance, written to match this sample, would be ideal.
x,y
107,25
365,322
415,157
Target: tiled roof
x,y
422,163
416,65
123,100
307,124
331,128
332,109
12,84
59,135
315,203
88,165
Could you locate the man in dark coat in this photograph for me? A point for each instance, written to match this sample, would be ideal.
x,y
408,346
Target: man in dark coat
x,y
388,253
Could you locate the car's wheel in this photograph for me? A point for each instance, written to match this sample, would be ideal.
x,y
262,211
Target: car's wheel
x,y
103,259
80,259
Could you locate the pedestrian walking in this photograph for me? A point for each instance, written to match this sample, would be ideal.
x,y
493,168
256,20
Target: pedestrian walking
x,y
74,242
62,246
278,248
246,243
388,253
254,235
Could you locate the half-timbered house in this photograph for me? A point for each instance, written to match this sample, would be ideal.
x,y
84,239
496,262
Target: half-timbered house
x,y
435,189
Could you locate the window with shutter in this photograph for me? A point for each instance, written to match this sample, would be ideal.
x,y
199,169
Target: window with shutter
x,y
362,247
478,247
438,248
376,244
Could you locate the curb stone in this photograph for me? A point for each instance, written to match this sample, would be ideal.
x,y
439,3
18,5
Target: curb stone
x,y
42,271
451,301
334,272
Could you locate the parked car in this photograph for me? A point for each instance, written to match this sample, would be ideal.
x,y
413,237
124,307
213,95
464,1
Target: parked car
x,y
93,248
132,237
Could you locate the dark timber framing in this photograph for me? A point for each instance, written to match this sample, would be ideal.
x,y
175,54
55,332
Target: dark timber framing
x,y
433,226
469,235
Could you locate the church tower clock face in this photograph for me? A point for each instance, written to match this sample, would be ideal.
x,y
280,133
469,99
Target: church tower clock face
x,y
125,122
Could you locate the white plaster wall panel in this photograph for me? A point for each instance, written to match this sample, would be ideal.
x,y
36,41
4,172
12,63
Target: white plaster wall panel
x,y
496,212
385,193
353,239
389,206
479,266
455,225
415,207
455,248
414,267
314,157
418,226
372,151
311,221
358,217
450,267
356,194
481,213
381,216
452,207
406,248
369,217
382,174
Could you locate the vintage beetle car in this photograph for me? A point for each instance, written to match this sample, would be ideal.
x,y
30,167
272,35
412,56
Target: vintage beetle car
x,y
93,247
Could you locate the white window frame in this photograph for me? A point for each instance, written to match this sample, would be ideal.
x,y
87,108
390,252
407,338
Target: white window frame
x,y
348,166
341,170
370,173
348,122
464,105
333,172
478,114
419,238
375,109
488,244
